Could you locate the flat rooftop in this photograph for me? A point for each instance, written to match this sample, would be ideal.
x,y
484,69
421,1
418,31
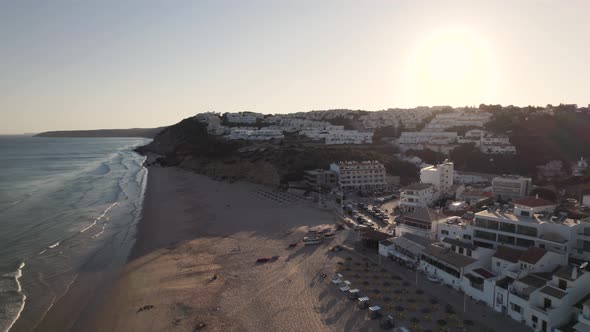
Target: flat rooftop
x,y
510,216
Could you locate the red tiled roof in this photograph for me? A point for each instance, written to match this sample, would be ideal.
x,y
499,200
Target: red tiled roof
x,y
484,273
532,255
508,254
532,201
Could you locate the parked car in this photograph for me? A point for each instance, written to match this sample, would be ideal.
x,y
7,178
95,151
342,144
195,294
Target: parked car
x,y
433,278
401,329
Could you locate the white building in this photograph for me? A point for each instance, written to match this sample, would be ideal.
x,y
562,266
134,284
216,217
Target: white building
x,y
349,137
321,178
544,303
581,320
405,248
360,175
440,176
532,224
493,144
416,195
422,222
433,137
444,121
448,266
243,117
455,228
511,186
516,263
253,134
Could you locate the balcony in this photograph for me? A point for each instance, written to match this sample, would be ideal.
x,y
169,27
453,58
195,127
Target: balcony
x,y
542,309
522,296
583,236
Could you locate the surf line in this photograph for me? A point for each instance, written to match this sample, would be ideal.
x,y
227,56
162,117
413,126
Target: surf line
x,y
99,218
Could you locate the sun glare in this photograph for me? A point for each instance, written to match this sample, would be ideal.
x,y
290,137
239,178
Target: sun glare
x,y
450,67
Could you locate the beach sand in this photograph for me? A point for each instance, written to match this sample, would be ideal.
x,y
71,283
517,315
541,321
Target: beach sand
x,y
194,228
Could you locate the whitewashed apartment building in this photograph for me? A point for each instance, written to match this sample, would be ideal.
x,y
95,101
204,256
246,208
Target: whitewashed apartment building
x,y
253,134
495,144
532,223
440,176
416,195
360,175
418,137
243,117
444,121
511,186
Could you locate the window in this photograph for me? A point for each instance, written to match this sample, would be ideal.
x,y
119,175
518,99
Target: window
x,y
525,243
469,252
534,318
498,264
453,248
516,307
485,235
562,284
467,237
526,230
546,303
461,251
444,232
508,227
506,239
542,246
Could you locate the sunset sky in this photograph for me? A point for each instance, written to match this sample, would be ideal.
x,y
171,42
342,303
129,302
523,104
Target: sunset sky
x,y
120,64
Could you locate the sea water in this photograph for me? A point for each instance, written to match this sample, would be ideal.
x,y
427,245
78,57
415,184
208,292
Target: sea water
x,y
63,203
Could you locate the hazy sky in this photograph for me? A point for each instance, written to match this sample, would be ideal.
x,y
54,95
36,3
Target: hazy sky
x,y
118,64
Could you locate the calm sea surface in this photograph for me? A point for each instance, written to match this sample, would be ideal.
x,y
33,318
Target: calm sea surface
x,y
63,203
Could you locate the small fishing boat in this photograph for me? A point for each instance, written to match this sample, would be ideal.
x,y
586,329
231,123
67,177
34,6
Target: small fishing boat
x,y
313,240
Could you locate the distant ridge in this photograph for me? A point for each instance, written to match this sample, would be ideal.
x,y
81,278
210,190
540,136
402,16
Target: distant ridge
x,y
133,132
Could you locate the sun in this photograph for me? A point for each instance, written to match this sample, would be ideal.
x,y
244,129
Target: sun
x,y
452,60
451,67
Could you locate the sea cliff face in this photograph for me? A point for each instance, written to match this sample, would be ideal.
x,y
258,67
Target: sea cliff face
x,y
187,145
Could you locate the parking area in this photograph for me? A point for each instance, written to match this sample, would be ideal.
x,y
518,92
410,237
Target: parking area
x,y
409,297
378,216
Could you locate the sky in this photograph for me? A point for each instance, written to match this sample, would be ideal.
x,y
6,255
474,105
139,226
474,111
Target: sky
x,y
67,65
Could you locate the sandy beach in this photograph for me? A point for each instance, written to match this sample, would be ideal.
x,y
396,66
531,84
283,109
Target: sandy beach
x,y
193,268
194,228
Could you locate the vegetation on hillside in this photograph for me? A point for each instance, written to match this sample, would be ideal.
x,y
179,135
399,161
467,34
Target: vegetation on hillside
x,y
188,145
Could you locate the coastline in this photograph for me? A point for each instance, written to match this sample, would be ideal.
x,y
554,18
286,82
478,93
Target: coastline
x,y
192,228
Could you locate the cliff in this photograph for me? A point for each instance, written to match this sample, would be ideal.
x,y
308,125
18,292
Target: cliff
x,y
187,145
134,132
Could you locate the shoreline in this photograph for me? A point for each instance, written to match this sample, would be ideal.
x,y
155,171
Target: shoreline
x,y
193,227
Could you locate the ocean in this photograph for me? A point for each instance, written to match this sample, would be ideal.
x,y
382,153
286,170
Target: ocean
x,y
66,205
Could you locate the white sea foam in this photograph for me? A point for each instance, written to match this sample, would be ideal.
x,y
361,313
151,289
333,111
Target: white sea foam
x,y
17,275
54,245
99,233
99,218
